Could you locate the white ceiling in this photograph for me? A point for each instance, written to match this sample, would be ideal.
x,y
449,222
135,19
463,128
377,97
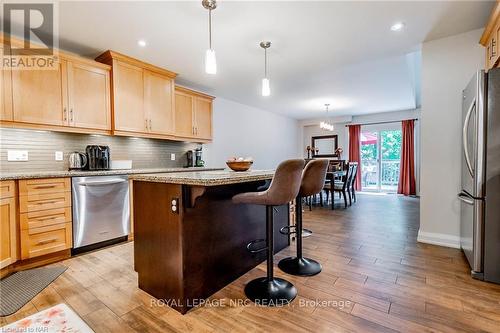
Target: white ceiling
x,y
338,52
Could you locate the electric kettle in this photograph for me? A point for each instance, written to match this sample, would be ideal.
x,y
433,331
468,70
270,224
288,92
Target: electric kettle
x,y
77,161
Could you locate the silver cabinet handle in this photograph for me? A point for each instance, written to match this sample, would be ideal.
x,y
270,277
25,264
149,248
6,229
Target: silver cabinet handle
x,y
71,114
465,138
150,126
65,114
146,124
465,198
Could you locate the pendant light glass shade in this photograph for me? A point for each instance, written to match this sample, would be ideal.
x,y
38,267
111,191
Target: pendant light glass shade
x,y
210,62
266,89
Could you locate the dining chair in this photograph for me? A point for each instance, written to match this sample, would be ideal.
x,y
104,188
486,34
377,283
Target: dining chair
x,y
340,186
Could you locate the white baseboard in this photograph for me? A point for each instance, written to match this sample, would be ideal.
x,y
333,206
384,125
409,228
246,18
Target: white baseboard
x,y
439,239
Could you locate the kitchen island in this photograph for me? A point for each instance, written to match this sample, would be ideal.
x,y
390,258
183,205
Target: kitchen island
x,y
190,238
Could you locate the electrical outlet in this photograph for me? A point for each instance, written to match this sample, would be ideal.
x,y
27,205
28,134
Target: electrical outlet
x,y
17,155
59,155
172,157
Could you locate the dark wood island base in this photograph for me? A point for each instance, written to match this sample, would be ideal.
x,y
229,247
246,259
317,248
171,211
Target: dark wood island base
x,y
185,254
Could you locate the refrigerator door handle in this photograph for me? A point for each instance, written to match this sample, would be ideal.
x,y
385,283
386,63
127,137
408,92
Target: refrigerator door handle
x,y
465,138
466,198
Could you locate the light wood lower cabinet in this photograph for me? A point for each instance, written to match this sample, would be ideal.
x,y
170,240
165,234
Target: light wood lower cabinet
x,y
45,216
8,224
193,114
44,240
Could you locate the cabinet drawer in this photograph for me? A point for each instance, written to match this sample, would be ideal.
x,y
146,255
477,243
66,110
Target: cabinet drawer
x,y
48,185
37,202
7,189
43,218
39,241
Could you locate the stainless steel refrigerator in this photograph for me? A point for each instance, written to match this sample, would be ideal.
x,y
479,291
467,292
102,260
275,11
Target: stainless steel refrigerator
x,y
480,195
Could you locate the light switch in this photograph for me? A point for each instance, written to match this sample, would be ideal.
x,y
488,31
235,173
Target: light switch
x,y
172,157
17,155
59,155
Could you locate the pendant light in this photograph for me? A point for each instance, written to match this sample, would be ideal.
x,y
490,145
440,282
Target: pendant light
x,y
325,124
210,61
266,89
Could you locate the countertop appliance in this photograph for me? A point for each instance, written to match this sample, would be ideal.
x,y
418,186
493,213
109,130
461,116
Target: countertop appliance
x,y
480,195
98,157
198,157
77,161
101,211
189,158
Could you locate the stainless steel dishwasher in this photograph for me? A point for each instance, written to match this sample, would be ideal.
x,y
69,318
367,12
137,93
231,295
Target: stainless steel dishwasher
x,y
101,211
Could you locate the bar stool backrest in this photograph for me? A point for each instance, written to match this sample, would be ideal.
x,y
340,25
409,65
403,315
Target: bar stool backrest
x,y
286,182
313,177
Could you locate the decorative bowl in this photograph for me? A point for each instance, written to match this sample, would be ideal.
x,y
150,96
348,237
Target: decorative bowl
x,y
239,165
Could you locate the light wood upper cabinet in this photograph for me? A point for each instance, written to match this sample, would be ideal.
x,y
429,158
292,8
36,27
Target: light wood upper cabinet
x,y
143,94
203,118
490,38
8,224
184,114
89,96
193,114
159,103
5,91
73,97
128,97
40,96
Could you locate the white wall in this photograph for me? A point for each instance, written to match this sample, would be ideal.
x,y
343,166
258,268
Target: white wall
x,y
447,66
241,130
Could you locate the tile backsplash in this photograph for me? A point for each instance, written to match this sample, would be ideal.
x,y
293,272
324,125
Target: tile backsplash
x,y
42,145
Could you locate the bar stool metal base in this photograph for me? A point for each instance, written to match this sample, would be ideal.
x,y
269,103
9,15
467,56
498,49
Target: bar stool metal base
x,y
270,292
300,266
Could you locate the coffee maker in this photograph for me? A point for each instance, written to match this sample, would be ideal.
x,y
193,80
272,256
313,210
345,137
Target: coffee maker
x,y
98,157
198,157
189,158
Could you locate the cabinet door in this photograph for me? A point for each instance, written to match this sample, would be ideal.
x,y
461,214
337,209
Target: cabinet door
x,y
89,102
159,103
203,120
40,96
184,114
5,91
128,90
8,238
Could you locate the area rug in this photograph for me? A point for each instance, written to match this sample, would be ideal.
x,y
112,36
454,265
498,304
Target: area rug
x,y
59,318
20,288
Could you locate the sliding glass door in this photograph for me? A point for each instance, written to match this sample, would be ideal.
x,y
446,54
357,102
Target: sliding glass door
x,y
380,158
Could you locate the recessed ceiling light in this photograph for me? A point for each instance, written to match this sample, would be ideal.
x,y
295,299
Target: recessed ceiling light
x,y
397,26
141,42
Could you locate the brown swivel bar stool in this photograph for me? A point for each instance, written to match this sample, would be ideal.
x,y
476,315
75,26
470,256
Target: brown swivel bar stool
x,y
284,187
313,180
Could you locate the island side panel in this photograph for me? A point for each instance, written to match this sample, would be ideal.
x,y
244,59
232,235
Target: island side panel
x,y
215,234
157,242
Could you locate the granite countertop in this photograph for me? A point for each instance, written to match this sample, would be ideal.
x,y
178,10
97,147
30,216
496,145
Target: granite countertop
x,y
206,178
83,173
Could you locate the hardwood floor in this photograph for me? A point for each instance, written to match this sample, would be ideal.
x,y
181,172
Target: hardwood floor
x,y
375,278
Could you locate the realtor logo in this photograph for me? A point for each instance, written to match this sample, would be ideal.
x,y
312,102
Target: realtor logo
x,y
29,36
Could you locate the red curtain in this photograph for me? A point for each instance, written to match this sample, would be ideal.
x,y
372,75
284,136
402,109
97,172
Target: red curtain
x,y
406,184
355,151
